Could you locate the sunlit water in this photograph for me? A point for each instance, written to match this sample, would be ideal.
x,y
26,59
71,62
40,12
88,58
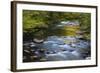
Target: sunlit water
x,y
58,48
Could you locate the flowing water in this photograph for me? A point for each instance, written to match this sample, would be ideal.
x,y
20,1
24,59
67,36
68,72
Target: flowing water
x,y
59,48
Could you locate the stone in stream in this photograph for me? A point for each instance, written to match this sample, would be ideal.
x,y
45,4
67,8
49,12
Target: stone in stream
x,y
63,56
51,46
55,48
67,47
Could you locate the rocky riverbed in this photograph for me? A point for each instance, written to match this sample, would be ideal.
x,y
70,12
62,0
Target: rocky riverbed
x,y
56,48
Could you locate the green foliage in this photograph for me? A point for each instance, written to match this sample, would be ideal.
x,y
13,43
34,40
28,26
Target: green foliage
x,y
43,23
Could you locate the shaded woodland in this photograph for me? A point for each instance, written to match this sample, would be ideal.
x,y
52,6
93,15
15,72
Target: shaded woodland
x,y
41,24
56,36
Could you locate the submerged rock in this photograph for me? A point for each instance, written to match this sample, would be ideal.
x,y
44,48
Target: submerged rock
x,y
60,48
